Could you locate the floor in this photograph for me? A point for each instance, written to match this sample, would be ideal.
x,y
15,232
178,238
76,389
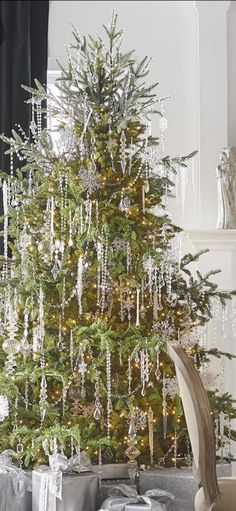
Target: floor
x,y
182,505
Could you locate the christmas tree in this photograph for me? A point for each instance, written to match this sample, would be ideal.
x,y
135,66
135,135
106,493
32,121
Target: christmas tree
x,y
92,280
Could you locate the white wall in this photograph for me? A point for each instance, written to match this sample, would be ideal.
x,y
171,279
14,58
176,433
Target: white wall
x,y
231,18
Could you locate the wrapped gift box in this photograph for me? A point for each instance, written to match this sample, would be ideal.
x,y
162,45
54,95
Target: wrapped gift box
x,y
125,497
178,481
137,507
106,486
79,493
113,470
10,500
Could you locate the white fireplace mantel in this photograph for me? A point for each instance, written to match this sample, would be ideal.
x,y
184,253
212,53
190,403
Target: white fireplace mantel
x,y
215,239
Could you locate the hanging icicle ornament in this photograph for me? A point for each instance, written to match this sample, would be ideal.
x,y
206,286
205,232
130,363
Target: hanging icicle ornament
x,y
164,405
150,433
158,371
41,328
137,307
25,342
82,371
100,467
60,344
80,284
129,373
11,345
123,152
97,403
128,258
144,370
43,398
4,408
26,398
145,189
70,242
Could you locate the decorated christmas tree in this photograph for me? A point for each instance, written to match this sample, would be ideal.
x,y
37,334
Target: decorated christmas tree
x,y
92,282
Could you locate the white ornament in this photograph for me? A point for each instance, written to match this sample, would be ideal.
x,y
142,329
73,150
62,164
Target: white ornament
x,y
4,408
89,180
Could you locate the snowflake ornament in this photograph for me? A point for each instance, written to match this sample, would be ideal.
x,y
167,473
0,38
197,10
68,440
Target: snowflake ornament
x,y
24,241
140,419
172,387
89,180
149,264
119,244
164,328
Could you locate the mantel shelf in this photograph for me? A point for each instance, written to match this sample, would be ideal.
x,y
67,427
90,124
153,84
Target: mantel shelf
x,y
215,239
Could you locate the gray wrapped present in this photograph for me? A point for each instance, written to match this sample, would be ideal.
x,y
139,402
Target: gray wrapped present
x,y
54,491
15,485
126,498
180,481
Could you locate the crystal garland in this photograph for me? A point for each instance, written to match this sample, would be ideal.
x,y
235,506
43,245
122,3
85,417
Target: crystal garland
x,y
109,402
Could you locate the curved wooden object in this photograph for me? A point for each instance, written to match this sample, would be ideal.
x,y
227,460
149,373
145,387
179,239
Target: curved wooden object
x,y
199,422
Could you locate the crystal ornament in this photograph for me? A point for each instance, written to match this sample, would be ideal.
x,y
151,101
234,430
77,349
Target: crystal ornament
x,y
150,433
164,405
108,385
24,241
5,212
123,152
132,451
89,180
43,398
144,370
137,307
124,204
25,342
71,351
11,346
172,387
82,370
97,403
67,142
4,408
139,419
80,283
119,244
129,373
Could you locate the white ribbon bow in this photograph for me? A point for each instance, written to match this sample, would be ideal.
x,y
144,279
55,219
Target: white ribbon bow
x,y
19,480
51,477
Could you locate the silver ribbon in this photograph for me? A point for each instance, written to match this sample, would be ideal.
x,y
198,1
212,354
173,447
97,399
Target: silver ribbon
x,y
51,478
123,495
19,480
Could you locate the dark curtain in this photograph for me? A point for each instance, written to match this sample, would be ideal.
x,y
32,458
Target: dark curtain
x,y
23,57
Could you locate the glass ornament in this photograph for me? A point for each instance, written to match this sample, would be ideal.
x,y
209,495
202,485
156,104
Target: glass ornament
x,y
4,408
11,347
